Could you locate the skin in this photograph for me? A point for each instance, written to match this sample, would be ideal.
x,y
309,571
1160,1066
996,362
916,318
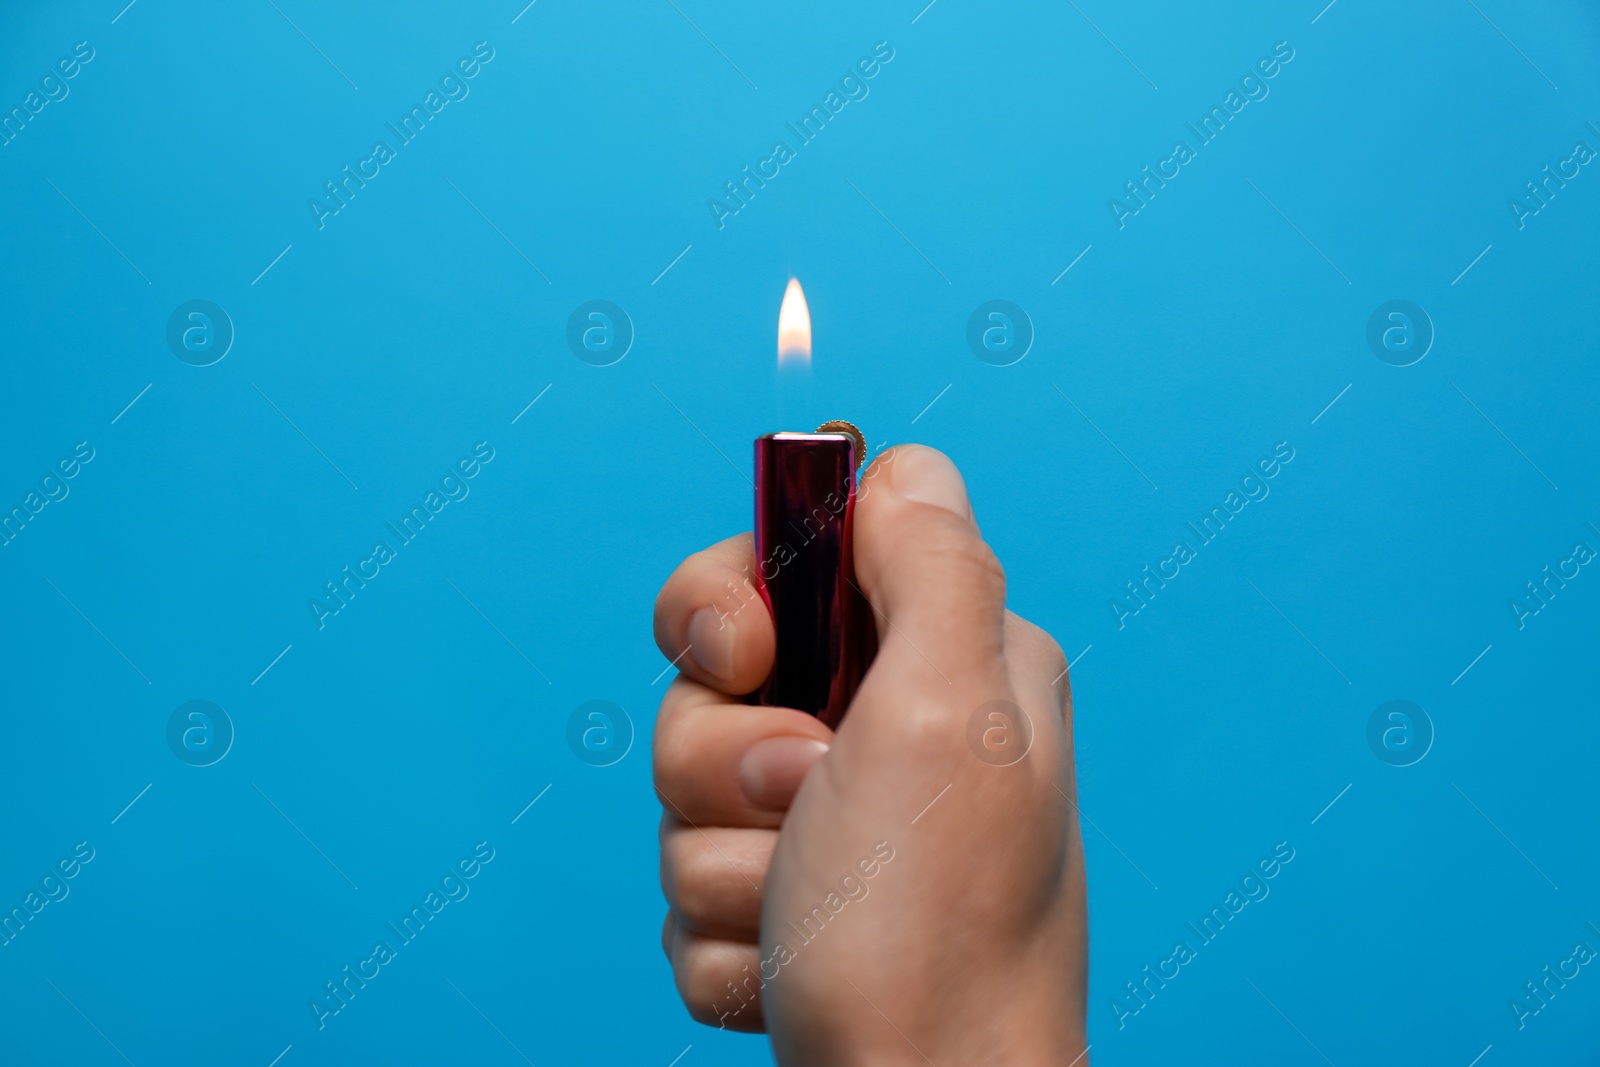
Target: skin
x,y
967,942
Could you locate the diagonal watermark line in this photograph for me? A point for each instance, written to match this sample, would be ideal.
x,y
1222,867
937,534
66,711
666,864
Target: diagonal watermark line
x,y
932,402
501,632
1074,263
1502,833
713,44
923,12
523,12
1480,1056
132,402
1299,231
1299,631
1080,1056
490,1021
686,1049
532,402
271,665
931,803
702,433
1471,665
280,1056
499,231
1290,1021
1070,664
1474,263
531,803
890,1021
1074,661
131,803
671,665
1110,842
263,274
313,44
1113,44
1513,44
1502,433
302,833
1332,402
1324,11
302,433
899,231
99,631
124,11
101,232
1102,433
90,1021
1331,803
674,263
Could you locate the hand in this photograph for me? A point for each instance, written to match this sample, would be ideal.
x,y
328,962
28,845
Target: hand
x,y
910,889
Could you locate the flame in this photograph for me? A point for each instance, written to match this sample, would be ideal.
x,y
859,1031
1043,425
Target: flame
x,y
794,327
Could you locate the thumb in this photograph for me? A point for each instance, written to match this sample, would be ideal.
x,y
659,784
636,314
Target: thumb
x,y
937,590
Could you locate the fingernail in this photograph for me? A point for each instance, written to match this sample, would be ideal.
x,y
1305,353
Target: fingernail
x,y
711,643
772,770
928,477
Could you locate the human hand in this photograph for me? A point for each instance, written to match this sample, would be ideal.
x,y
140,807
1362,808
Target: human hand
x,y
910,888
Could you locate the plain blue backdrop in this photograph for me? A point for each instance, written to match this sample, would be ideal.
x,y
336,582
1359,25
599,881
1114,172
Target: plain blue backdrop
x,y
1182,346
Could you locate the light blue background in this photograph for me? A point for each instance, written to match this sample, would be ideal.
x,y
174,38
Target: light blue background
x,y
1210,728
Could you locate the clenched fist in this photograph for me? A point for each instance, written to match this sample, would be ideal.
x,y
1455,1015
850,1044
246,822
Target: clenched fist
x,y
910,888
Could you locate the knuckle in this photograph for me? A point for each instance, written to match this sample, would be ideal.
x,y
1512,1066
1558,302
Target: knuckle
x,y
703,971
927,730
967,557
689,879
1038,644
668,747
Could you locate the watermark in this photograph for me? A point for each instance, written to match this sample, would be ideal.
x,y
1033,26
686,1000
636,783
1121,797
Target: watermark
x,y
599,332
453,487
1538,195
1538,596
852,88
453,888
1137,194
199,733
999,733
1000,333
53,488
599,733
1399,733
199,332
1253,889
1536,996
1253,488
788,550
853,888
1399,332
52,889
339,193
53,89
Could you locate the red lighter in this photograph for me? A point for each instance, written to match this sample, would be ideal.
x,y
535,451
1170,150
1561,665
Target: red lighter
x,y
805,507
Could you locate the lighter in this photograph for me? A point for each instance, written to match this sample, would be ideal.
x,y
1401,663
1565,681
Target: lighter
x,y
805,509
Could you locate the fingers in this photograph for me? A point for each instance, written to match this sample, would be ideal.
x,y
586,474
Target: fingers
x,y
932,581
711,621
721,764
1037,664
713,878
715,978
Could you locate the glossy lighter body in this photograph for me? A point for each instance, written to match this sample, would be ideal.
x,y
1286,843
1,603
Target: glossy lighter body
x,y
805,504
